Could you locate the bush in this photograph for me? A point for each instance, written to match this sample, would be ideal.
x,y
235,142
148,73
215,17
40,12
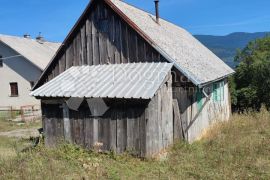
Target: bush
x,y
251,83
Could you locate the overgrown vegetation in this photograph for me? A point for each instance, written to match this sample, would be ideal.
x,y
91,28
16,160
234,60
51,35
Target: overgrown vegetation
x,y
238,149
251,83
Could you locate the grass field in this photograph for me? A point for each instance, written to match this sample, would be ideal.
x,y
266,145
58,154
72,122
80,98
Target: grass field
x,y
6,125
238,149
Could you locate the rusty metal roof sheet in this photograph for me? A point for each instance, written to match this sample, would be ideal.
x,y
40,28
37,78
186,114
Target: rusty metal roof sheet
x,y
136,80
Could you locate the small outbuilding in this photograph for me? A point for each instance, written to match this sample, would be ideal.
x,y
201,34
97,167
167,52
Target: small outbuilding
x,y
126,80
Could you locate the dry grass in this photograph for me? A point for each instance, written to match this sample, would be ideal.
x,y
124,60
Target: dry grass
x,y
6,125
238,149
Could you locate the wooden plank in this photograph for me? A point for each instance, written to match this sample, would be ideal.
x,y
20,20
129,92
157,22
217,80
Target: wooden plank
x,y
62,64
96,58
67,126
89,41
160,122
56,70
59,128
113,131
83,45
137,116
104,133
132,40
142,134
81,130
48,132
148,51
177,130
103,48
95,130
121,131
118,55
89,138
79,52
151,126
141,50
53,124
131,131
75,58
69,56
184,110
111,39
124,40
168,111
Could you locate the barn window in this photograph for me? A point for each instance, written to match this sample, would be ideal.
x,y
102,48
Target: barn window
x,y
199,97
1,61
218,91
14,89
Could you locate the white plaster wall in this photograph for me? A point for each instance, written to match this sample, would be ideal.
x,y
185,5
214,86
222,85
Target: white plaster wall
x,y
212,112
18,70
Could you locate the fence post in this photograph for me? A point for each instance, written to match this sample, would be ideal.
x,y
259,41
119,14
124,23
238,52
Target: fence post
x,y
22,113
10,112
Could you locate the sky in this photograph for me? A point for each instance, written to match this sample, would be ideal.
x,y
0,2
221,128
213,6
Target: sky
x,y
55,18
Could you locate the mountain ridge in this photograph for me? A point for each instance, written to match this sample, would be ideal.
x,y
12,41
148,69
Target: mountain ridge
x,y
225,47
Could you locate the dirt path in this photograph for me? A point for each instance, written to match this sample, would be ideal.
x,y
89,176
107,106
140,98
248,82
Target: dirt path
x,y
21,133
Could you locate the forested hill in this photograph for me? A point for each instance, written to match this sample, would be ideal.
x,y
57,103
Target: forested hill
x,y
225,46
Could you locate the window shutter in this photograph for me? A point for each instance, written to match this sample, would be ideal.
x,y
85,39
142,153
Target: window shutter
x,y
199,98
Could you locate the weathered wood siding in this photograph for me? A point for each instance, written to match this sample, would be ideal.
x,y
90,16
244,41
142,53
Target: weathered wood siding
x,y
159,120
143,127
52,121
121,129
102,37
196,121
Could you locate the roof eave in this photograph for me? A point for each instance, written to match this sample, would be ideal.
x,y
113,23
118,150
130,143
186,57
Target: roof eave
x,y
216,80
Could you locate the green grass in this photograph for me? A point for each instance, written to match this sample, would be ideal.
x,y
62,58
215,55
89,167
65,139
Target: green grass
x,y
238,149
6,125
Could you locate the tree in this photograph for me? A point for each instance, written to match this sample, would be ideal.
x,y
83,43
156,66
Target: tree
x,y
250,86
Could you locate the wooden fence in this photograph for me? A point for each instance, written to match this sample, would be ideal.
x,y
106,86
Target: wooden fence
x,y
24,113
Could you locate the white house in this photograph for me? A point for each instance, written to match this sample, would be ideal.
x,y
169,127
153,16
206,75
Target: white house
x,y
22,60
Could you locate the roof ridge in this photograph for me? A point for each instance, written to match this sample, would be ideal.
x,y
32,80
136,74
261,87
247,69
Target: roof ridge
x,y
145,11
23,38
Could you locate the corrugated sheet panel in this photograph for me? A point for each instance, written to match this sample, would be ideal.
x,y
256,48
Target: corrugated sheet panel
x,y
137,80
192,58
38,53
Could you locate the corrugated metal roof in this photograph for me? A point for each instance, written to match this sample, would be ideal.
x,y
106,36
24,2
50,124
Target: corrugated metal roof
x,y
37,53
192,58
137,80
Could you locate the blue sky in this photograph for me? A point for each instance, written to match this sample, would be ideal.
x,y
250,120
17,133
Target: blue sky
x,y
54,18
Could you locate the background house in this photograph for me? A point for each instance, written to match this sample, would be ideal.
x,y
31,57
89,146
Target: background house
x,y
22,61
111,33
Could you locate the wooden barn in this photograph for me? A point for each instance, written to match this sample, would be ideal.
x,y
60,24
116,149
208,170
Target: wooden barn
x,y
153,82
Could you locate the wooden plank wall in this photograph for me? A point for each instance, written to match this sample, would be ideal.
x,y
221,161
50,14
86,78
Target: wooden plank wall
x,y
159,120
142,127
52,121
121,129
102,37
195,121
